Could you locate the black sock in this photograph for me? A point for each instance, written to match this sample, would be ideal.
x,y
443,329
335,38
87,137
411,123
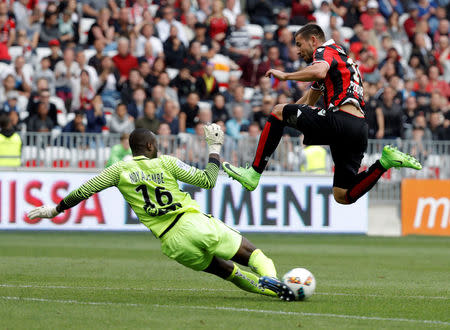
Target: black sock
x,y
268,142
364,181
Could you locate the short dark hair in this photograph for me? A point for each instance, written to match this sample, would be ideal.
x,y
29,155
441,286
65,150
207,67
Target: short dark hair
x,y
139,139
309,30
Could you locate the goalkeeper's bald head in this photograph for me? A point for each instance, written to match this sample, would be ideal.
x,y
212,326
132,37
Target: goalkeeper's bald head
x,y
143,143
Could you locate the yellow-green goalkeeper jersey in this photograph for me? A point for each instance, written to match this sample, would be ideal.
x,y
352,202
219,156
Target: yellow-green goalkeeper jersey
x,y
150,187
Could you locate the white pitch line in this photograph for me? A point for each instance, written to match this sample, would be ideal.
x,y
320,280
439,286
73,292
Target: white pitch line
x,y
207,289
231,309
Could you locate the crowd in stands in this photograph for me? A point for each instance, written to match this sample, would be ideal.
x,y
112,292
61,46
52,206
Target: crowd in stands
x,y
173,65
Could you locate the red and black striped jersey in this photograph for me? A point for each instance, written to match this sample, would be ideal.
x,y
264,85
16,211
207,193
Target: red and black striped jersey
x,y
343,83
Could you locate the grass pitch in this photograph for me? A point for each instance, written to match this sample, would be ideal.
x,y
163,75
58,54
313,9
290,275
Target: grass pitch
x,y
52,280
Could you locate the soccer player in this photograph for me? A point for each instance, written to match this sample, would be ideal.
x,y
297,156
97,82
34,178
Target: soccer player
x,y
195,240
341,125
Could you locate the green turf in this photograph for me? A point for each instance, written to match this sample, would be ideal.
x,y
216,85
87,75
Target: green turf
x,y
112,280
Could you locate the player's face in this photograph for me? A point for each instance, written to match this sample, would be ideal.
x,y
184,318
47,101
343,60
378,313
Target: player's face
x,y
305,48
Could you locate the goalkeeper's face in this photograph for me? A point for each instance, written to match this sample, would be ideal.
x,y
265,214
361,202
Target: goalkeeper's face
x,y
305,48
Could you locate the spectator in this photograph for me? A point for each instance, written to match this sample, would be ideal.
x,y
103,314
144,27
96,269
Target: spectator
x,y
435,84
238,41
189,113
146,36
420,136
252,67
238,96
96,60
323,14
11,102
8,35
438,131
260,12
260,117
10,143
17,124
83,92
40,122
148,120
108,80
195,61
264,88
136,107
159,98
199,156
392,113
183,83
233,82
65,71
207,85
101,29
164,81
237,123
66,27
121,121
93,76
374,112
54,56
44,72
170,116
203,38
76,125
49,30
420,50
442,56
127,88
148,56
388,8
284,43
159,65
368,18
164,26
123,26
43,98
410,112
93,8
95,117
124,61
302,12
205,115
174,50
120,151
217,23
219,110
422,95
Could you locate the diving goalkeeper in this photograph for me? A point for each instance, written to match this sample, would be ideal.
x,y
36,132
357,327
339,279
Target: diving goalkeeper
x,y
196,240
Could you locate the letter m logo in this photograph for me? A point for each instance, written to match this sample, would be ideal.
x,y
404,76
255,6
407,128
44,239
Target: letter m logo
x,y
434,206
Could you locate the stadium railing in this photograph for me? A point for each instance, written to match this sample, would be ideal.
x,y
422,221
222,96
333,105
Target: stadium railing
x,y
91,151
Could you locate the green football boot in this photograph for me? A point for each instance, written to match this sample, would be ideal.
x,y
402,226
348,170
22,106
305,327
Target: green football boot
x,y
392,157
247,177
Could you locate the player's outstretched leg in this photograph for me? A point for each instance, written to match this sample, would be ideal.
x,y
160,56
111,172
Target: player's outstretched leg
x,y
268,142
391,157
246,281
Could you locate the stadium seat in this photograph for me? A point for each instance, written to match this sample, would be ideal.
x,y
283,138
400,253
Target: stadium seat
x,y
346,33
85,26
255,31
294,28
42,52
248,93
88,53
15,51
172,72
59,103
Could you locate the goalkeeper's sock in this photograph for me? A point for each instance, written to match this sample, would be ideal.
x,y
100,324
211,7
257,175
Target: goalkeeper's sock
x,y
248,282
262,265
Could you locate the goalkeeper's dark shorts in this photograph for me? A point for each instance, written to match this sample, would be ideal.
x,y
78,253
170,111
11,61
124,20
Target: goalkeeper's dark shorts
x,y
345,133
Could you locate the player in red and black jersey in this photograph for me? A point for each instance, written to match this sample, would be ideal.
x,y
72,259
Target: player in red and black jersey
x,y
341,125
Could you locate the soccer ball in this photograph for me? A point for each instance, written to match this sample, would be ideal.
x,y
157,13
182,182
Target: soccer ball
x,y
301,281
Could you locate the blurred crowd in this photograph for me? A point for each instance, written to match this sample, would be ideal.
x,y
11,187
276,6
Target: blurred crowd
x,y
173,65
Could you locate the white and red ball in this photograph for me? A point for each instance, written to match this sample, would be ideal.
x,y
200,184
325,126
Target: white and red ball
x,y
301,281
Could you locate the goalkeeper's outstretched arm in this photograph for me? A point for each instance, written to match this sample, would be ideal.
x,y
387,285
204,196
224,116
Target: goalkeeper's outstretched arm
x,y
201,178
107,178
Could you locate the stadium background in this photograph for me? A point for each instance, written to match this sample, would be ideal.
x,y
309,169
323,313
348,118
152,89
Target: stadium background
x,y
76,76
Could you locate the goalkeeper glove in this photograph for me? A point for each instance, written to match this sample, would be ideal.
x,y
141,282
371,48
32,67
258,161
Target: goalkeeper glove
x,y
45,211
214,137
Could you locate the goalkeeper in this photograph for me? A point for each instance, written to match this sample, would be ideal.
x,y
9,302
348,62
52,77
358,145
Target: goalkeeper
x,y
195,240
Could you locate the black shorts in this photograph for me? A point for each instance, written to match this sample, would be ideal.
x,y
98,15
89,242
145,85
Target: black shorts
x,y
344,133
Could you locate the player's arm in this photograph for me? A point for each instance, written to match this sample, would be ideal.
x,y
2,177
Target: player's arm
x,y
201,178
314,72
310,97
107,178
